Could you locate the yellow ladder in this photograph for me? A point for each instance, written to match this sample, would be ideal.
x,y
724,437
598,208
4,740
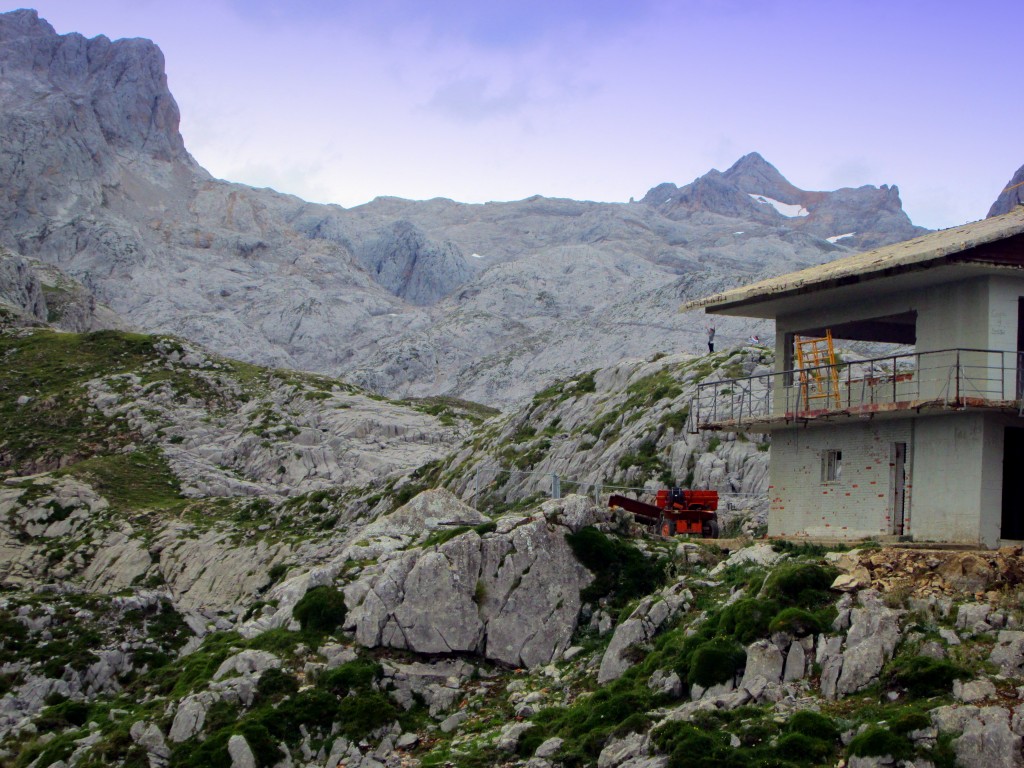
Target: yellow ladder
x,y
816,364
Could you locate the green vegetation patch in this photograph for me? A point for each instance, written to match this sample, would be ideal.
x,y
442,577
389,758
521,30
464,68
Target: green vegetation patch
x,y
422,479
923,676
715,661
52,369
646,457
321,610
650,389
451,410
343,701
621,571
879,742
614,710
710,740
805,585
131,482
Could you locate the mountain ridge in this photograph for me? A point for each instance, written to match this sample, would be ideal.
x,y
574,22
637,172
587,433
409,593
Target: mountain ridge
x,y
411,298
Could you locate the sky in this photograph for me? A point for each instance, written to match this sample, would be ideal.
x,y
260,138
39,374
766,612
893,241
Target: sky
x,y
341,102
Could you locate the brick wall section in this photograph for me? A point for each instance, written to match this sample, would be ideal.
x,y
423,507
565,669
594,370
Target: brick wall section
x,y
856,506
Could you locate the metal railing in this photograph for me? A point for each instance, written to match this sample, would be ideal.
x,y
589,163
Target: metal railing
x,y
950,377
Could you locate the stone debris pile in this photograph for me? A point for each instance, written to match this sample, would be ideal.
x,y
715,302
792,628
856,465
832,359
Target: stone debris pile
x,y
924,573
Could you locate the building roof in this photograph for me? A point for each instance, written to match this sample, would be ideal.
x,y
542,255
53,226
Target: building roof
x,y
955,245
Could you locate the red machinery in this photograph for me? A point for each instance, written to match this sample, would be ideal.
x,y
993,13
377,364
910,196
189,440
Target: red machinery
x,y
676,511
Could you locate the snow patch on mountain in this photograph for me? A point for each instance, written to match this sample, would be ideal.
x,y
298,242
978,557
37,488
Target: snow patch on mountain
x,y
786,209
836,238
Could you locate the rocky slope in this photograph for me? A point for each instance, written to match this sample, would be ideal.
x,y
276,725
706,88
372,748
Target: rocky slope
x,y
638,653
624,427
35,293
409,298
205,563
133,459
1011,196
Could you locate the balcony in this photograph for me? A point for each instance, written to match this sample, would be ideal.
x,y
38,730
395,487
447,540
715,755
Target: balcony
x,y
954,379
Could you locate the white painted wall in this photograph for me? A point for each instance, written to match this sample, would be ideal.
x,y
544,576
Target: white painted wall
x,y
855,507
949,480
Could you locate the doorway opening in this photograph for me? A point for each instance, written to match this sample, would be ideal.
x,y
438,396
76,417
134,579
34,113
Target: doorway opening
x,y
898,484
1012,526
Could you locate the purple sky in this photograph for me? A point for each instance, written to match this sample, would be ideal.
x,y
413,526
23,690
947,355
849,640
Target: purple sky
x,y
482,100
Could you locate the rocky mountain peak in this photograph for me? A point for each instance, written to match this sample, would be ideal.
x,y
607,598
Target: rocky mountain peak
x,y
755,175
120,84
753,188
1011,196
24,22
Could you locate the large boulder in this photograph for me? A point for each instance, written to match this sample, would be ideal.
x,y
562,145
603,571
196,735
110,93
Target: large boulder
x,y
1008,653
986,739
765,662
872,637
512,594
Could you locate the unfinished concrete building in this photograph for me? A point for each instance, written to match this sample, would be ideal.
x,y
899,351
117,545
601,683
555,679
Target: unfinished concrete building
x,y
925,442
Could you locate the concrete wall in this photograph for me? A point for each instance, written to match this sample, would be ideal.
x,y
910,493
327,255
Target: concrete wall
x,y
1004,299
977,313
858,505
949,315
954,479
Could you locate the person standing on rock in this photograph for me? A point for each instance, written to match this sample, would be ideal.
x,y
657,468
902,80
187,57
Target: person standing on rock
x,y
711,339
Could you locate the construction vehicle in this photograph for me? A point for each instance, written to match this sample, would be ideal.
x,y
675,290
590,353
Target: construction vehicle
x,y
676,511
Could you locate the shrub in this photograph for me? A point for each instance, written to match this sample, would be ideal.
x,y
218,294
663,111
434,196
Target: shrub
x,y
796,621
923,676
878,742
748,619
364,713
802,584
211,753
280,641
619,568
321,609
803,748
313,708
275,684
264,747
357,675
715,661
910,721
688,745
7,682
813,724
63,715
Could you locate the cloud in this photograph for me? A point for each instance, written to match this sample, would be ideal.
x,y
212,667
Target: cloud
x,y
473,99
491,25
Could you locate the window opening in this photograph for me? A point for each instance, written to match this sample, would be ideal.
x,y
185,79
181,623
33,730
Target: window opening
x,y
831,466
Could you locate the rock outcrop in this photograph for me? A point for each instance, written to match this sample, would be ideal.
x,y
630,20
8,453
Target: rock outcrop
x,y
20,289
511,594
1011,196
640,627
851,664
